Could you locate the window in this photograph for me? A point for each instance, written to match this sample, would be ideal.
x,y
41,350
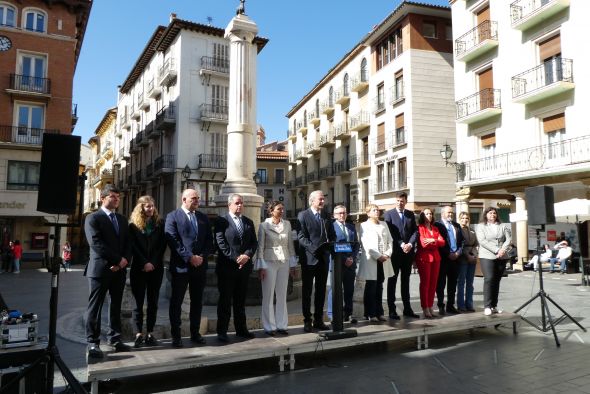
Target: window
x,y
217,144
488,152
23,175
331,97
380,137
381,181
268,195
213,190
279,176
390,172
399,86
364,73
219,99
380,104
30,121
429,29
32,70
554,127
389,48
262,175
402,173
448,32
7,15
345,85
34,20
400,131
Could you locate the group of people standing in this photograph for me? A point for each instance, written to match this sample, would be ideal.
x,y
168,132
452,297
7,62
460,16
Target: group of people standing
x,y
11,255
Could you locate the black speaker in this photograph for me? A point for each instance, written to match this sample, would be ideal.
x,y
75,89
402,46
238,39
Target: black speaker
x,y
58,177
539,202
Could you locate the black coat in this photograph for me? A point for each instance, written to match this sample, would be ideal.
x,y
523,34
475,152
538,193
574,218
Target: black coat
x,y
230,245
147,248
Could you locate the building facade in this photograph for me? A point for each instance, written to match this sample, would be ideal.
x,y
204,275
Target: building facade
x,y
39,46
520,104
374,124
272,166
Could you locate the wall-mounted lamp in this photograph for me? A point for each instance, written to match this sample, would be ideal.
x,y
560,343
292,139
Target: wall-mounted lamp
x,y
186,173
446,153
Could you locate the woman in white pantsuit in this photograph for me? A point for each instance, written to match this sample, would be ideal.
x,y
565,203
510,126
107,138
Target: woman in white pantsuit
x,y
276,259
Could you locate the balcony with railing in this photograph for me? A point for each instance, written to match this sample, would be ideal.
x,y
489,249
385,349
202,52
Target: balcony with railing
x,y
380,144
28,85
360,81
342,166
214,113
542,160
327,138
142,101
477,41
149,170
342,96
150,131
153,89
378,104
133,146
314,177
24,135
167,73
134,111
124,121
313,146
398,137
290,184
164,164
360,120
291,134
396,93
385,185
327,172
166,118
327,106
301,153
357,207
527,13
360,162
211,162
551,78
341,131
481,105
218,66
313,117
301,126
106,152
300,180
141,139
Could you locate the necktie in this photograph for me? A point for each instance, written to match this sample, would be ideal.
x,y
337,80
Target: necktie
x,y
452,239
344,232
239,226
115,224
317,216
193,220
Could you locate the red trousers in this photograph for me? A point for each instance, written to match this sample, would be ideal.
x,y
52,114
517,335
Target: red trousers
x,y
428,271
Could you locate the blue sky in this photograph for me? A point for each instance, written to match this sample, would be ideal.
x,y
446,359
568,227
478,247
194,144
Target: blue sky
x,y
307,37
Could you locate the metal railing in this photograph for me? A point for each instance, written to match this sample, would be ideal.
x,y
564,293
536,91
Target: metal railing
x,y
166,113
359,119
149,170
359,160
211,161
399,136
554,70
168,66
378,104
396,92
542,157
484,99
27,83
313,176
164,161
24,135
486,30
327,171
214,111
342,129
358,206
291,133
217,64
327,137
342,166
300,180
521,9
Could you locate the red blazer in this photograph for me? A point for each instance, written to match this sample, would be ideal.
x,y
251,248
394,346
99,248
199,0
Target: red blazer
x,y
429,253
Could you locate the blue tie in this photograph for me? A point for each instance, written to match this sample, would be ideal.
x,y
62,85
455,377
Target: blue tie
x,y
115,223
452,240
193,221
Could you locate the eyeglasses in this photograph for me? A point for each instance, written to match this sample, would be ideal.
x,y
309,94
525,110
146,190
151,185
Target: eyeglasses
x,y
339,213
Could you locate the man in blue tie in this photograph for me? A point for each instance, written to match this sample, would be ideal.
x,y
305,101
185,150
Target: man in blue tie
x,y
449,264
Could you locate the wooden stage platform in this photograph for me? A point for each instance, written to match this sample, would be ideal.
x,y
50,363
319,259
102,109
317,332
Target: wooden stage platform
x,y
163,358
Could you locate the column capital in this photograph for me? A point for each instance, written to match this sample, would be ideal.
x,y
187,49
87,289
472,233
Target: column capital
x,y
241,28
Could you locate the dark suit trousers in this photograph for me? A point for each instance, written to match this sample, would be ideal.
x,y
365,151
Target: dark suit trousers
x,y
233,287
142,283
195,281
114,284
309,273
373,296
402,264
447,276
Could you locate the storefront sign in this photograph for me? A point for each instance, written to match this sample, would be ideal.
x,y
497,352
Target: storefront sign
x,y
13,205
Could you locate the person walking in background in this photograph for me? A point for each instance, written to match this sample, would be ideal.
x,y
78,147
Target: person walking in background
x,y
315,231
235,237
493,239
275,260
188,234
428,260
6,258
66,255
403,230
449,264
148,244
374,264
110,251
17,254
467,263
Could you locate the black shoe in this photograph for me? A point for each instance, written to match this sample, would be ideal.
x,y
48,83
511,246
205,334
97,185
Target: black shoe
x,y
282,332
120,347
394,316
245,335
198,339
353,320
441,310
150,340
452,310
177,342
320,325
270,333
138,341
470,309
94,351
307,326
410,313
223,338
462,310
346,318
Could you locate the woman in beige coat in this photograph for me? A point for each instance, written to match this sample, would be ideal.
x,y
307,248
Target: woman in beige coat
x,y
375,264
276,258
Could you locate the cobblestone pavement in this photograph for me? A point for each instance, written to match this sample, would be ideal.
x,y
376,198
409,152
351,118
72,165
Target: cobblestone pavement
x,y
480,361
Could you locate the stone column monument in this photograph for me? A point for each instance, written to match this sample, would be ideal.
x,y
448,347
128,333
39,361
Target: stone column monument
x,y
241,128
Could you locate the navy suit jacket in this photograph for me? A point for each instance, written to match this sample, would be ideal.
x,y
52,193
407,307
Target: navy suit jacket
x,y
313,234
446,249
406,233
352,237
106,247
230,245
184,242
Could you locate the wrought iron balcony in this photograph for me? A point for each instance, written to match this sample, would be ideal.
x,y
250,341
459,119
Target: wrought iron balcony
x,y
359,162
358,207
398,137
214,113
28,84
142,101
167,73
477,41
342,96
327,138
313,117
327,106
291,134
481,105
378,104
342,166
153,89
166,118
301,154
301,126
149,170
300,180
164,163
549,159
527,13
74,115
545,80
313,177
359,81
359,121
24,135
211,161
313,146
326,172
215,64
341,131
396,93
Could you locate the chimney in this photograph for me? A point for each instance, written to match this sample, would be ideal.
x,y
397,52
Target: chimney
x,y
172,17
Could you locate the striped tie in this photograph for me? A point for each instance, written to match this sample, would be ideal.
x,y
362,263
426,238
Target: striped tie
x,y
239,226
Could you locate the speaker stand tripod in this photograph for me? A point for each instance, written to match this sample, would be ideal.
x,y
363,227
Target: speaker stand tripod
x,y
547,321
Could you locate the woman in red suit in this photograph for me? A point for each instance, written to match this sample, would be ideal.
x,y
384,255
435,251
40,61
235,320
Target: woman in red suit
x,y
428,260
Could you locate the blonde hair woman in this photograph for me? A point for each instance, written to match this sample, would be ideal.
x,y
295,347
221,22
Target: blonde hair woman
x,y
146,233
374,264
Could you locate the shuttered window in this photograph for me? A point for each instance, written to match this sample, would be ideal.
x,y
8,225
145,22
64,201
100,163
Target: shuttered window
x,y
399,121
380,137
550,48
554,123
488,139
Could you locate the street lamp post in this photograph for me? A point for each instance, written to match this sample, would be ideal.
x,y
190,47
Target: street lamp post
x,y
446,152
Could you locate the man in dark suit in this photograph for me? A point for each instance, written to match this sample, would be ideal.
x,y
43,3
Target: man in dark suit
x,y
345,232
189,237
235,236
449,259
314,233
110,251
404,231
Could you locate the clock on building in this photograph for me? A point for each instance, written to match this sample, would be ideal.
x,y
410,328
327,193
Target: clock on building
x,y
5,43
